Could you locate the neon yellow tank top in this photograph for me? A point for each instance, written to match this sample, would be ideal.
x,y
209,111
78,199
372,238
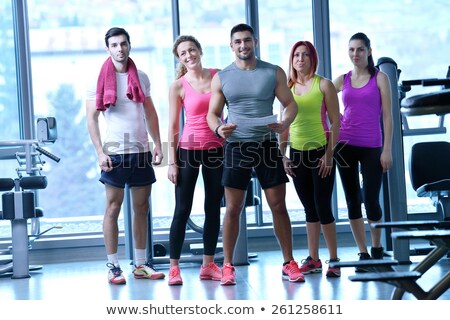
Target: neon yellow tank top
x,y
309,129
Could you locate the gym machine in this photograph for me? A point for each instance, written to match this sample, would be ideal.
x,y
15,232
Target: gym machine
x,y
19,205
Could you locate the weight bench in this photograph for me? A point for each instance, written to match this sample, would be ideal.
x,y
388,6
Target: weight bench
x,y
407,281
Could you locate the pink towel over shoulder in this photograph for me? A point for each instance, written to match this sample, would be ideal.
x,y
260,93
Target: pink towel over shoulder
x,y
106,94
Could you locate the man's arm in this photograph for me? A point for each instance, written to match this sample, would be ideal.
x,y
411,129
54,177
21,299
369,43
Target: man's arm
x,y
92,115
289,107
216,105
153,129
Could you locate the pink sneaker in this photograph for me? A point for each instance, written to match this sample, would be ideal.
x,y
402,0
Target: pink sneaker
x,y
228,275
210,272
175,276
292,273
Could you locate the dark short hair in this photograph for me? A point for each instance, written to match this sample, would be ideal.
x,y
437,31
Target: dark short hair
x,y
116,32
240,28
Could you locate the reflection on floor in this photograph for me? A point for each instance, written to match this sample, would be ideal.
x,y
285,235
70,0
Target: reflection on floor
x,y
261,280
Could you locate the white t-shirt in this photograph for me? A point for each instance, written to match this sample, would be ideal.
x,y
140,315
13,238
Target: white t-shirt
x,y
126,130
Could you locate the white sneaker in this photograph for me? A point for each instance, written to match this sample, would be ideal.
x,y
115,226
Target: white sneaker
x,y
147,271
115,274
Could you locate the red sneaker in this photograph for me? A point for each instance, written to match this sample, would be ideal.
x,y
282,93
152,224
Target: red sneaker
x,y
309,265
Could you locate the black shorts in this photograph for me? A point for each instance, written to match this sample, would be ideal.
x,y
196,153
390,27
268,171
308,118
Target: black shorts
x,y
134,169
241,158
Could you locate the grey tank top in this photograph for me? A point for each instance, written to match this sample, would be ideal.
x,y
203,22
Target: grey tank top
x,y
249,94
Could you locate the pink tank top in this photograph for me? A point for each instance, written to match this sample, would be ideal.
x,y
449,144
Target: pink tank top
x,y
361,122
196,133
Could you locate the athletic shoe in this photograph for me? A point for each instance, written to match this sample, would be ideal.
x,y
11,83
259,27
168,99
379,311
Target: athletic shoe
x,y
210,272
377,253
175,276
115,274
292,273
228,275
333,272
363,256
309,265
147,271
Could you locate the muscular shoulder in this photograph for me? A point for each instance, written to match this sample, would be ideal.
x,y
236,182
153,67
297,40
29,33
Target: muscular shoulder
x,y
265,64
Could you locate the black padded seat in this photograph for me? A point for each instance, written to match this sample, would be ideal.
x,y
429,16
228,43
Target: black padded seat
x,y
432,189
6,184
429,171
429,163
429,103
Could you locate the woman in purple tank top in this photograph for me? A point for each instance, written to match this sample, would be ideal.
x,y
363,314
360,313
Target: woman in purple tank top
x,y
363,145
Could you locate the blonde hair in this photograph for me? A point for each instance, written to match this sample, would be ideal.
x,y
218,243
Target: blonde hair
x,y
181,69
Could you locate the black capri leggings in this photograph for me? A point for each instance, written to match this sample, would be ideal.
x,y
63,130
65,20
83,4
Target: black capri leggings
x,y
349,158
190,161
313,191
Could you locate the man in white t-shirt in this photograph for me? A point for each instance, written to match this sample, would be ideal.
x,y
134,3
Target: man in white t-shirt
x,y
122,95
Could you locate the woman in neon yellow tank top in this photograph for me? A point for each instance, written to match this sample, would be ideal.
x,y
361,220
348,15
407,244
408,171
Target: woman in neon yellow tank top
x,y
310,163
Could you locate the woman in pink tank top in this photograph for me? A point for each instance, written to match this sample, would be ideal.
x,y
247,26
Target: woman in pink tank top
x,y
198,147
363,145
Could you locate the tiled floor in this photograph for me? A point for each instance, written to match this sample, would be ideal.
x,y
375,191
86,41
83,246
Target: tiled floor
x,y
261,280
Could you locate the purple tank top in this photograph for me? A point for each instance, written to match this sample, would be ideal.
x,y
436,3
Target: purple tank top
x,y
361,122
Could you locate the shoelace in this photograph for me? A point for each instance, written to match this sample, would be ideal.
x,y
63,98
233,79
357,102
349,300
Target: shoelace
x,y
148,264
306,261
174,272
228,270
214,267
290,268
115,270
332,260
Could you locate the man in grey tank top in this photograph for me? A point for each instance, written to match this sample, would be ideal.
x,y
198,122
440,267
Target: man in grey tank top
x,y
248,87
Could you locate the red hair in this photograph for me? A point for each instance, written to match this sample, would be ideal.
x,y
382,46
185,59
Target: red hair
x,y
292,77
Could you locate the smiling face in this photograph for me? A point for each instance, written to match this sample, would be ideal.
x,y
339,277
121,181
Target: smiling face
x,y
189,54
119,48
243,45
